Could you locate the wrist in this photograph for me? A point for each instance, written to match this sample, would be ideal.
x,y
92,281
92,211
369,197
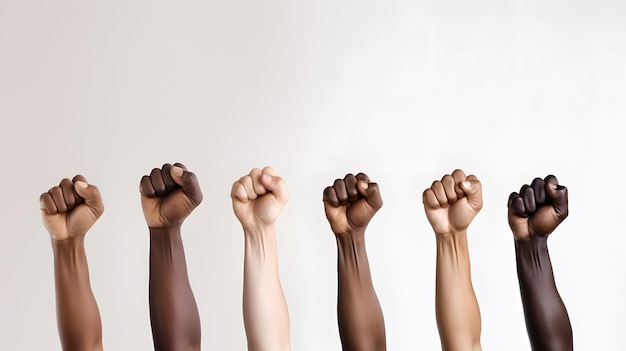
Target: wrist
x,y
350,242
259,230
452,234
532,241
455,239
68,242
168,236
260,244
354,235
165,229
352,232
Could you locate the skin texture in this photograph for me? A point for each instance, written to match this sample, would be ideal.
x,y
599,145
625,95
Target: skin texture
x,y
68,211
350,203
533,214
258,198
168,196
451,204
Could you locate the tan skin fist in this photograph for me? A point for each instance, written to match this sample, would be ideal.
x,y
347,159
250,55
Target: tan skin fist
x,y
350,203
258,198
169,195
538,208
71,208
452,202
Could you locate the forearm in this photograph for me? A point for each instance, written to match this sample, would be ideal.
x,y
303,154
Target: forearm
x,y
547,321
265,313
78,318
173,310
361,323
458,315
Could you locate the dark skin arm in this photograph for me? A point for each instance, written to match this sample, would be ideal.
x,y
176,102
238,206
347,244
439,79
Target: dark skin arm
x,y
68,211
168,196
533,214
349,205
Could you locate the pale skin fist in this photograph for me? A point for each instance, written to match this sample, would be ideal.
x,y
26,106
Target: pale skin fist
x,y
452,202
350,203
538,208
71,208
258,198
169,195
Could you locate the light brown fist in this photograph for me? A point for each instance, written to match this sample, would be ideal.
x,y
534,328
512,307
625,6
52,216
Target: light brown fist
x,y
258,198
350,203
71,208
538,208
452,203
169,195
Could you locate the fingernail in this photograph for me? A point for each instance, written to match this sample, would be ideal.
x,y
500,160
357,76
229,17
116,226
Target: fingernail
x,y
363,184
82,184
467,184
177,171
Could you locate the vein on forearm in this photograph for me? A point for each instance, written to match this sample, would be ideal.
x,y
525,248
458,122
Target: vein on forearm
x,y
260,249
352,259
453,262
533,259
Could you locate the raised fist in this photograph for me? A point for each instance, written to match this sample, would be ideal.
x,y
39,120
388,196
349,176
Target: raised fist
x,y
452,202
169,195
350,203
258,198
538,208
71,208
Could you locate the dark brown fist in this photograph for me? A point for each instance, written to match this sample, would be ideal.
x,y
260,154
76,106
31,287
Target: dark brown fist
x,y
351,202
538,208
169,195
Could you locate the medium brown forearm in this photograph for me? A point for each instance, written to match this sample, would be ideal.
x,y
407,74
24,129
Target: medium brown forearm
x,y
458,315
78,318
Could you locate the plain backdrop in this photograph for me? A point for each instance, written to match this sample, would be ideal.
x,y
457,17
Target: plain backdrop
x,y
405,91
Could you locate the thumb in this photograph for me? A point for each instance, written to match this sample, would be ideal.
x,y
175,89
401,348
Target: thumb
x,y
276,185
473,189
92,196
371,192
558,195
188,182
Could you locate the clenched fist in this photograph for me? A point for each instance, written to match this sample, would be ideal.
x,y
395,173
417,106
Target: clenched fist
x,y
351,202
71,208
169,195
452,203
538,208
258,198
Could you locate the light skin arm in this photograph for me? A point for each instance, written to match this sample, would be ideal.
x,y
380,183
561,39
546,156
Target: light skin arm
x,y
350,203
258,198
168,196
68,211
451,204
533,214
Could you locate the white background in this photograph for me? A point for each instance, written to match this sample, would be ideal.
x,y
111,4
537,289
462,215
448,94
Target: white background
x,y
404,91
